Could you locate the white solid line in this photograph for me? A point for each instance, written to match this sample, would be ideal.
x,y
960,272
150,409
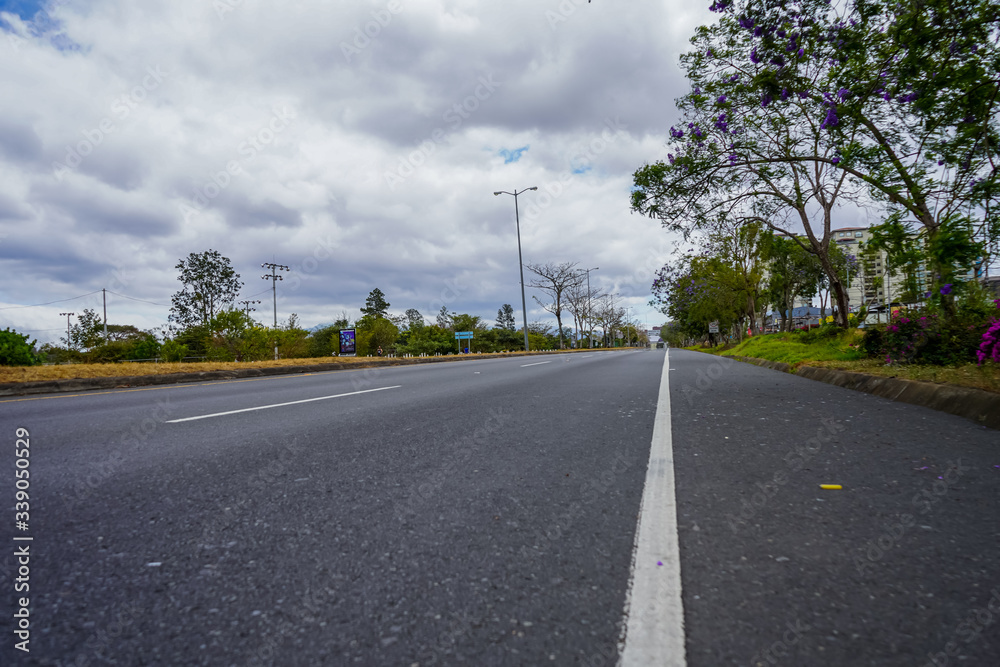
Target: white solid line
x,y
653,632
279,405
539,363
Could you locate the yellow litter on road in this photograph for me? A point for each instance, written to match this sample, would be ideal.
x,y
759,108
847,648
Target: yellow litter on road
x,y
831,487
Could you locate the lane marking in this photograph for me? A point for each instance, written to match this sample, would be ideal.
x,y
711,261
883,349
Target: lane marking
x,y
537,363
279,405
653,632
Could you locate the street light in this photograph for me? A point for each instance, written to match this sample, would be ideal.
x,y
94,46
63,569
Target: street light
x,y
68,315
520,262
590,325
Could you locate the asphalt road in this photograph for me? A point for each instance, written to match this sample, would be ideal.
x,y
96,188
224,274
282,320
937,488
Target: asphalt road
x,y
485,513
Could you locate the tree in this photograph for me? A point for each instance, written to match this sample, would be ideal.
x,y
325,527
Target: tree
x,y
88,331
689,292
737,250
414,318
746,152
792,272
210,285
444,318
375,305
15,350
505,318
911,94
556,279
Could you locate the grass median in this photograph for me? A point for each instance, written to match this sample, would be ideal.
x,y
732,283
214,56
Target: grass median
x,y
128,369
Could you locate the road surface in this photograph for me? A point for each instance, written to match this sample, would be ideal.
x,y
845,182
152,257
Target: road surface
x,y
486,513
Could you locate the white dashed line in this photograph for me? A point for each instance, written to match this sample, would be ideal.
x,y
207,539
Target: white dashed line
x,y
280,405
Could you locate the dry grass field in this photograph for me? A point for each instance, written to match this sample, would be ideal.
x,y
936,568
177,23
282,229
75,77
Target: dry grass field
x,y
70,371
73,371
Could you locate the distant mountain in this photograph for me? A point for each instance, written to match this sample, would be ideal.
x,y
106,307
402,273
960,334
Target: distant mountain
x,y
318,327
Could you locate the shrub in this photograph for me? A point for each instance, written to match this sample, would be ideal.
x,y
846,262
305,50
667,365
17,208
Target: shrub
x,y
15,350
989,347
174,351
922,336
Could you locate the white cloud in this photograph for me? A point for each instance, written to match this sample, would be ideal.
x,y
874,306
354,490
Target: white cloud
x,y
133,134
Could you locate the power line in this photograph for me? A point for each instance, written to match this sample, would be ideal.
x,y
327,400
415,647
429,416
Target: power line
x,y
140,300
36,305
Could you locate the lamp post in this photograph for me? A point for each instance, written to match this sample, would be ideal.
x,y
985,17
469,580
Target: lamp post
x,y
520,262
590,326
274,292
68,315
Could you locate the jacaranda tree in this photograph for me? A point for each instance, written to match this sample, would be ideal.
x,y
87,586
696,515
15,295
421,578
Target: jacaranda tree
x,y
911,93
741,153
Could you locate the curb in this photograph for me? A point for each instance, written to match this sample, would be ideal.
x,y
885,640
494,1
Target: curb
x,y
126,381
982,407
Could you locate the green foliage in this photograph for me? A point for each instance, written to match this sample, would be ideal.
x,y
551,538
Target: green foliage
x,y
196,338
427,339
173,351
233,336
375,332
15,350
324,342
293,341
141,346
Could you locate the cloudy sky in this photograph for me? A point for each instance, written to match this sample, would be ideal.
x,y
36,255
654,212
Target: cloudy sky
x,y
358,142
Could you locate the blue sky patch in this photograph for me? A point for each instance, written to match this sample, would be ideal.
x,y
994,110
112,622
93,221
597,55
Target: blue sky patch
x,y
26,9
509,155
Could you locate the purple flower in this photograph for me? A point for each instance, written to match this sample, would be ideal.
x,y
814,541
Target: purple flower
x,y
721,100
709,53
946,289
831,118
801,52
835,160
765,100
746,22
843,92
754,58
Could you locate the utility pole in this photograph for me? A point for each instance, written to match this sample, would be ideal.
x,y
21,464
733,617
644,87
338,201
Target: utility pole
x,y
104,292
247,308
275,277
68,315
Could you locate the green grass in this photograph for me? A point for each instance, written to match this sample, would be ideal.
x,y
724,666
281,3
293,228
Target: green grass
x,y
798,347
814,349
